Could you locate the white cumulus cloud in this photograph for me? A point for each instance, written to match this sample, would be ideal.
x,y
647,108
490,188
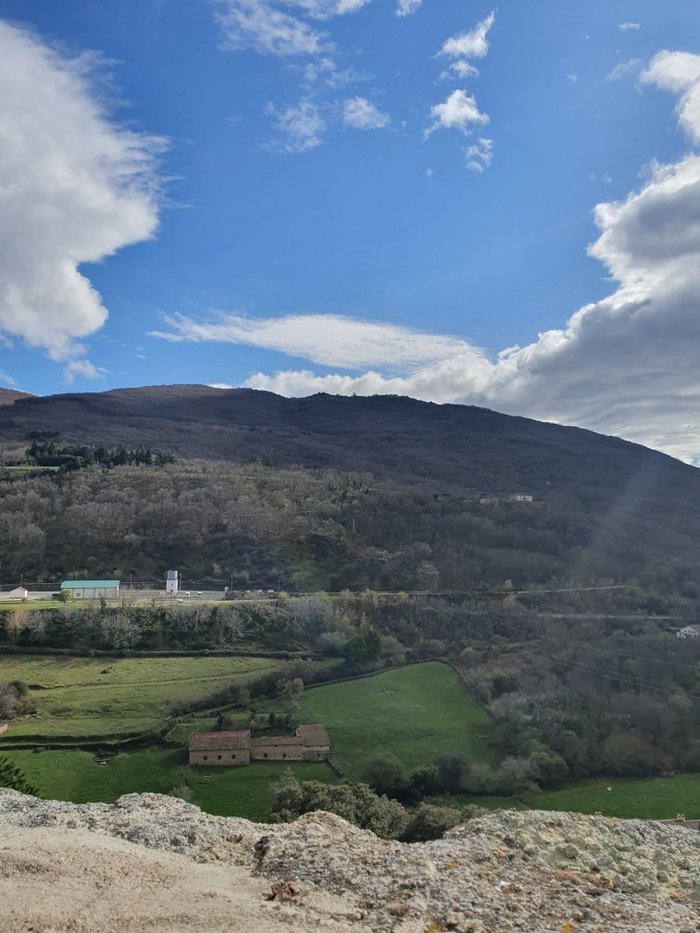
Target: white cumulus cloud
x,y
361,114
459,111
471,44
625,365
74,188
679,72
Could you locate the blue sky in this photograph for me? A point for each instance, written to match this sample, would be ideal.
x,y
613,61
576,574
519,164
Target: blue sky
x,y
323,194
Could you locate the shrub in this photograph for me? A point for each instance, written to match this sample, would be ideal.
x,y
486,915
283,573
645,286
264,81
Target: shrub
x,y
11,776
429,822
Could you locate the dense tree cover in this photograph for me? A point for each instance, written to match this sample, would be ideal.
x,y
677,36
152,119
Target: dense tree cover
x,y
588,697
47,451
359,804
298,529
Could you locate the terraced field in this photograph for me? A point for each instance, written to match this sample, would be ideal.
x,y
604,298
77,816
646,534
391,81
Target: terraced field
x,y
105,697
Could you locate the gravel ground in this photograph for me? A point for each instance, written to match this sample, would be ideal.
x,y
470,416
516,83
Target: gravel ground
x,y
531,871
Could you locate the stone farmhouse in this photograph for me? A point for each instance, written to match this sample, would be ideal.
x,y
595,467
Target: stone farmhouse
x,y
236,749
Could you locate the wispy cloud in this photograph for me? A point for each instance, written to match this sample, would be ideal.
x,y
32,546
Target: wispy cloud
x,y
628,69
479,155
298,32
76,188
627,27
406,7
361,114
298,128
253,25
83,369
329,339
7,380
284,28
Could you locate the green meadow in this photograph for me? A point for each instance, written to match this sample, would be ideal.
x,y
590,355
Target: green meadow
x,y
107,696
416,713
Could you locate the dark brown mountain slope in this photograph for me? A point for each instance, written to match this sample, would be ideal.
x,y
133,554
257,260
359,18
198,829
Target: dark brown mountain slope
x,y
389,436
605,509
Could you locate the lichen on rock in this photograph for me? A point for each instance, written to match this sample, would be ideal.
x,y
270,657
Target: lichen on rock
x,y
526,871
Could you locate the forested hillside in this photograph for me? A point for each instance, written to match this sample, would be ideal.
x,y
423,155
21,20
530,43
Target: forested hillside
x,y
329,493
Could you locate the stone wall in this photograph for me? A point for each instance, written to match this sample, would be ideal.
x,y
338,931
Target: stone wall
x,y
316,752
221,757
272,751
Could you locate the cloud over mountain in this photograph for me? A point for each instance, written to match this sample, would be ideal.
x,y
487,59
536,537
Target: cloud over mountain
x,y
627,364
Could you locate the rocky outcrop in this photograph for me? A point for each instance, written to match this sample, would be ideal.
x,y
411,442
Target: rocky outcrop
x,y
150,862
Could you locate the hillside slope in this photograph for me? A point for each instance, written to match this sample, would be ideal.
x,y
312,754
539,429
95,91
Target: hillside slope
x,y
10,396
331,492
155,862
389,436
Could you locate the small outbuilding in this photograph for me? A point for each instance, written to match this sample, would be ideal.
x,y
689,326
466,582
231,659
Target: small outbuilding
x,y
20,593
91,589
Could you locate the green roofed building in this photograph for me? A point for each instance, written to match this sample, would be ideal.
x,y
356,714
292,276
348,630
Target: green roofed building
x,y
91,589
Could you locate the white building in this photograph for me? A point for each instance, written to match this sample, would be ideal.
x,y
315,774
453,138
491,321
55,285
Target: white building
x,y
690,631
172,582
521,497
19,592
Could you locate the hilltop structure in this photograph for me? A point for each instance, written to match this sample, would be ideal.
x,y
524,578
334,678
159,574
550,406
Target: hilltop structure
x,y
237,749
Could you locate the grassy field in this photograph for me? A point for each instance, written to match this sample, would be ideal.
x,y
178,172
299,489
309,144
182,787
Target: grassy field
x,y
416,713
641,798
104,696
76,776
655,798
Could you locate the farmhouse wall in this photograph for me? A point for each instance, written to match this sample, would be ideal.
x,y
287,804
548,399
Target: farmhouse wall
x,y
225,757
316,753
286,749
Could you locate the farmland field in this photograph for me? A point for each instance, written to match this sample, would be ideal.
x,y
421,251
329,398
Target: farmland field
x,y
416,713
656,798
102,697
76,776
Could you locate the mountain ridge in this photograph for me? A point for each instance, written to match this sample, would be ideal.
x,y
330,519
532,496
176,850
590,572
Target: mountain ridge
x,y
340,432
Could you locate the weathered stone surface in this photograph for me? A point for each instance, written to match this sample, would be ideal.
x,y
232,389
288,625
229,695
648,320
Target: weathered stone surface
x,y
536,871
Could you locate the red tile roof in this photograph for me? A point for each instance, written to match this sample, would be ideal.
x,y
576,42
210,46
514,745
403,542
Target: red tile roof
x,y
211,741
